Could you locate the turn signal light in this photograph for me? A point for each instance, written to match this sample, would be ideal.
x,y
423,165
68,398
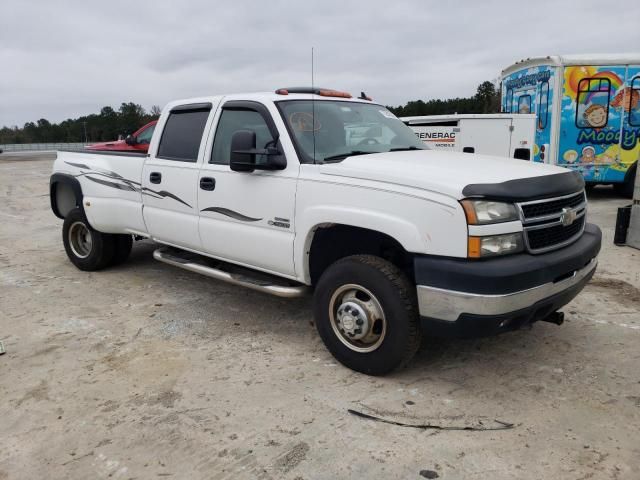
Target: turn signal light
x,y
474,248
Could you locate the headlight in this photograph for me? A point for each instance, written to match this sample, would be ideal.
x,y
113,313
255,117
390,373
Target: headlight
x,y
481,212
490,246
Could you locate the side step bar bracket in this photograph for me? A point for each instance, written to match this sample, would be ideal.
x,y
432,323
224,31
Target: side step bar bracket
x,y
196,263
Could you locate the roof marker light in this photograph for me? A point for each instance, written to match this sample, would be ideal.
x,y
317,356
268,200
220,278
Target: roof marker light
x,y
324,92
333,93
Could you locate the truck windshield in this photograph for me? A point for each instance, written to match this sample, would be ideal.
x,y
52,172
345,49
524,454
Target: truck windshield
x,y
330,131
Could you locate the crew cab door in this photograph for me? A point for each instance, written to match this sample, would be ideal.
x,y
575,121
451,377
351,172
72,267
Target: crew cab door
x,y
247,217
170,176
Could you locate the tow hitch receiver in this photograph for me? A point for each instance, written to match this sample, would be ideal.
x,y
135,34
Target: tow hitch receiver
x,y
556,318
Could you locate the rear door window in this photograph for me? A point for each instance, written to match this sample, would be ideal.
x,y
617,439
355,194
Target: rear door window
x,y
593,102
183,132
543,105
634,103
524,104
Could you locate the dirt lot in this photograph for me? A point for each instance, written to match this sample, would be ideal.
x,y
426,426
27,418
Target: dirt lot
x,y
147,371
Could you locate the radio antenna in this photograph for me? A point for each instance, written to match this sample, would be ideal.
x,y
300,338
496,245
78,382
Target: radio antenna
x,y
313,109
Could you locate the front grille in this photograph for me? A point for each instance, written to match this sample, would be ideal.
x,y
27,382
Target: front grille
x,y
543,208
543,238
553,223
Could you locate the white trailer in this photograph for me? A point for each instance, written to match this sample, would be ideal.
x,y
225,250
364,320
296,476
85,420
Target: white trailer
x,y
501,134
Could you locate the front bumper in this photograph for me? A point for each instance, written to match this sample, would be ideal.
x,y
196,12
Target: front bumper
x,y
466,298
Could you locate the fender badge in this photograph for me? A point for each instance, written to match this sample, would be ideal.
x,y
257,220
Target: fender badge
x,y
280,222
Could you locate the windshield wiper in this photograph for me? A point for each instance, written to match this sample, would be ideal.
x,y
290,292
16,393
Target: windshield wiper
x,y
404,149
342,156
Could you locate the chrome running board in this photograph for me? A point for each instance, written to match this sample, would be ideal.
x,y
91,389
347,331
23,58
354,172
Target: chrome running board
x,y
261,282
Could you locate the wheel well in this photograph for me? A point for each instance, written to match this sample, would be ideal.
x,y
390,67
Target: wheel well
x,y
65,194
333,242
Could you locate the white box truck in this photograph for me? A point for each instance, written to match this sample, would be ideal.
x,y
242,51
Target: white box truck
x,y
587,109
500,134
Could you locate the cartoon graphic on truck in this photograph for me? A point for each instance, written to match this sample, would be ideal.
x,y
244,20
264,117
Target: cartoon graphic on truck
x,y
588,113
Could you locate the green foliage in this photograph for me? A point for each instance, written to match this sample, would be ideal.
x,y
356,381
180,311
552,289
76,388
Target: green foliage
x,y
109,123
486,100
104,126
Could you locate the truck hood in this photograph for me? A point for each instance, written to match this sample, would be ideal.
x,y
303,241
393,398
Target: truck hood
x,y
445,173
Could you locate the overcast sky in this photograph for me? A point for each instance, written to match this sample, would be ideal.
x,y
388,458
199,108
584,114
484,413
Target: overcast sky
x,y
61,59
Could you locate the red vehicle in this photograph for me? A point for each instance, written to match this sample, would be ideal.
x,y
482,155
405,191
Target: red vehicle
x,y
137,142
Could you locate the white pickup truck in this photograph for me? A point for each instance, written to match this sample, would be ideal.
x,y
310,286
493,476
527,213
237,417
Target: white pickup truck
x,y
311,190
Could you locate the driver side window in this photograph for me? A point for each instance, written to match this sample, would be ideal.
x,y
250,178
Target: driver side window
x,y
145,136
232,120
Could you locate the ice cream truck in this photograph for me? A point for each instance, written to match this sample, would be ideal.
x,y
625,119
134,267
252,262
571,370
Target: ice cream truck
x,y
587,111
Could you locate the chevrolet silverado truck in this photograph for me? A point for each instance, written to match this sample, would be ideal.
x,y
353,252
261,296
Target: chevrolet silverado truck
x,y
310,190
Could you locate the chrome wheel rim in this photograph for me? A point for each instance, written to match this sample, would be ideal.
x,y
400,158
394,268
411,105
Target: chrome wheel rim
x,y
357,318
80,240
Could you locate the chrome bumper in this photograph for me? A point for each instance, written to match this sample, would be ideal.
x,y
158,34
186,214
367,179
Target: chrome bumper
x,y
450,304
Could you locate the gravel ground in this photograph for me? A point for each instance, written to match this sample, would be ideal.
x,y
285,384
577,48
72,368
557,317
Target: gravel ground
x,y
147,371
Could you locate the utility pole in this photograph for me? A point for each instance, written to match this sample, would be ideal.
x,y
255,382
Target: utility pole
x,y
84,124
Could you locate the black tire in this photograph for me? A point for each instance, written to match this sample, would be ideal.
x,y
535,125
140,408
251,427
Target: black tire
x,y
396,296
625,189
95,254
123,244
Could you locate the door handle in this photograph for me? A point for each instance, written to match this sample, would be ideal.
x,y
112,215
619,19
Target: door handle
x,y
207,183
155,177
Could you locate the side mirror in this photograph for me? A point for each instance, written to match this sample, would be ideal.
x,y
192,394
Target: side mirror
x,y
242,143
244,152
131,140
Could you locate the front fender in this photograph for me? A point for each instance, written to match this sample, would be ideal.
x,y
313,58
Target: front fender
x,y
412,236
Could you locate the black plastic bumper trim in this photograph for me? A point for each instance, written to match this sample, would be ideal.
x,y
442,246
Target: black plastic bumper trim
x,y
507,274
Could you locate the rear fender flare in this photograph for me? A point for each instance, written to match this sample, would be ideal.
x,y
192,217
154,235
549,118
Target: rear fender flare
x,y
68,181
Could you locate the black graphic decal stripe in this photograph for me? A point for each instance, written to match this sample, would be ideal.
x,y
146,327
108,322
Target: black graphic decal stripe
x,y
231,213
99,171
119,186
134,185
163,194
128,185
78,165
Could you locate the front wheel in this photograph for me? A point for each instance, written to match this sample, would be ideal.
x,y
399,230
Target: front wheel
x,y
88,249
366,314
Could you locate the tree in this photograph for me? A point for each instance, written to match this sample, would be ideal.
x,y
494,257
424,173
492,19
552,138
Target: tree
x,y
131,116
487,97
486,100
155,111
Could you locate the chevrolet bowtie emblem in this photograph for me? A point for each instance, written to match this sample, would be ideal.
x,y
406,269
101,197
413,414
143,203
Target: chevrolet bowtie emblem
x,y
568,216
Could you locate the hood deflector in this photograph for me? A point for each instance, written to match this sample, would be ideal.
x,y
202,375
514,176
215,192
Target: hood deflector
x,y
535,188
